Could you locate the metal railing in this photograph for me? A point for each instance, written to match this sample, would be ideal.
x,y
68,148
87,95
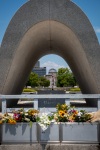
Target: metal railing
x,y
36,97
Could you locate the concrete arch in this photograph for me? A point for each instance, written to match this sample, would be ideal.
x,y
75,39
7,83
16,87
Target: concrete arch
x,y
49,27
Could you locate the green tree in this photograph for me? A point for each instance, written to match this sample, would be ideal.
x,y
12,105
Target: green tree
x,y
65,78
44,82
33,80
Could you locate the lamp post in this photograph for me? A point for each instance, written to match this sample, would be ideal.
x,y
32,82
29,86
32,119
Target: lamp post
x,y
52,81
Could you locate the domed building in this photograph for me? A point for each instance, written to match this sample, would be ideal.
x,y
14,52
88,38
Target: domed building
x,y
52,77
52,71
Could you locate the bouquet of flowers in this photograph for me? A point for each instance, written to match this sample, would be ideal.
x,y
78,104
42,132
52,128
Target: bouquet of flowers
x,y
66,113
44,119
19,116
6,118
25,116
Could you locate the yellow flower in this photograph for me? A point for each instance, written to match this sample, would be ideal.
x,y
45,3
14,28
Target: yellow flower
x,y
65,111
32,112
72,118
0,121
61,113
11,121
64,106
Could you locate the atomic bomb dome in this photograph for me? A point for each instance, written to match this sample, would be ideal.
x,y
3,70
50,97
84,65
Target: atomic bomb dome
x,y
52,70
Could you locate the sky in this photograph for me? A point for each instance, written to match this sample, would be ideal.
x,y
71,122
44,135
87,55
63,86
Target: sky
x,y
90,7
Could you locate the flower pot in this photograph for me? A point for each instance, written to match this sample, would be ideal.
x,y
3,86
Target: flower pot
x,y
19,133
50,135
80,132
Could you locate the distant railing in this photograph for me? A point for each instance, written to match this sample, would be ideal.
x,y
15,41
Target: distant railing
x,y
36,97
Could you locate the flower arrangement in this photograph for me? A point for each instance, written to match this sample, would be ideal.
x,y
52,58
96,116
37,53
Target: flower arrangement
x,y
19,116
44,120
7,119
64,113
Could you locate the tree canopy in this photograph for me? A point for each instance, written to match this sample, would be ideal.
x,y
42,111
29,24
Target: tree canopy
x,y
44,82
35,80
65,78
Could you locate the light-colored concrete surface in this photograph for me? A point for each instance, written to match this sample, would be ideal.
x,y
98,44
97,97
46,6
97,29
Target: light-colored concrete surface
x,y
50,147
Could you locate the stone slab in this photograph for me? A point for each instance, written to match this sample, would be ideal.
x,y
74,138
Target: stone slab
x,y
50,147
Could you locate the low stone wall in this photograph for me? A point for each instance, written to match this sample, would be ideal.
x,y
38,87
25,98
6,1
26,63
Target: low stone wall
x,y
50,147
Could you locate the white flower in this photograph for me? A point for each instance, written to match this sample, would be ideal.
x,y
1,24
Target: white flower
x,y
79,114
27,119
26,114
44,121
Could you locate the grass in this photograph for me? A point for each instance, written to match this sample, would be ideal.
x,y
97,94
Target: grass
x,y
75,89
28,90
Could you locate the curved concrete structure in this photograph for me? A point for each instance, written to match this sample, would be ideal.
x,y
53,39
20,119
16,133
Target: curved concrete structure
x,y
49,27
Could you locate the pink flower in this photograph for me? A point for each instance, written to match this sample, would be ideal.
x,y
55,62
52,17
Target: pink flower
x,y
17,117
